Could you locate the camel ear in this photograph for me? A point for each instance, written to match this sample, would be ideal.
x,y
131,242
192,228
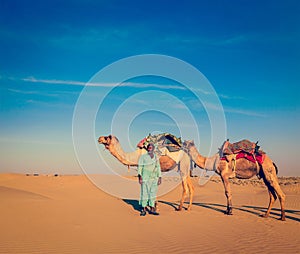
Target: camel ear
x,y
108,139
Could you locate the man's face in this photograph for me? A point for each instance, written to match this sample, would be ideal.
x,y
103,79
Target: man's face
x,y
150,149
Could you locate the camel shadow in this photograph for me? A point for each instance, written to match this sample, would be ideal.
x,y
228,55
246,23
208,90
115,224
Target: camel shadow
x,y
205,205
263,209
209,206
174,205
134,203
258,211
276,209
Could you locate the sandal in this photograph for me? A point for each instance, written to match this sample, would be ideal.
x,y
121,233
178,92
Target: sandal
x,y
143,213
153,212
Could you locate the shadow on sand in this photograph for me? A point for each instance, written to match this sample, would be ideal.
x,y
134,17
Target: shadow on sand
x,y
258,211
275,211
255,210
134,203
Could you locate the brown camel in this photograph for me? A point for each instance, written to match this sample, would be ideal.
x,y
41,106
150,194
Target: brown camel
x,y
167,163
242,169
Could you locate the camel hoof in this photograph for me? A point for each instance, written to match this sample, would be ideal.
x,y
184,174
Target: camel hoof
x,y
265,215
282,216
178,209
228,211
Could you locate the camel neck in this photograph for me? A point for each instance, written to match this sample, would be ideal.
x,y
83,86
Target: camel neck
x,y
130,159
197,157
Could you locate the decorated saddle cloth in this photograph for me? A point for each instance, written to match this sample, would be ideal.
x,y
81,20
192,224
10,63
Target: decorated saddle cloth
x,y
243,149
241,146
163,140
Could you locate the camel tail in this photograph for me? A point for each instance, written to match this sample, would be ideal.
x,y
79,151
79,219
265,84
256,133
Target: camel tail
x,y
275,168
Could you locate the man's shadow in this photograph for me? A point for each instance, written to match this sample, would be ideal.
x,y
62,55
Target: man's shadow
x,y
134,203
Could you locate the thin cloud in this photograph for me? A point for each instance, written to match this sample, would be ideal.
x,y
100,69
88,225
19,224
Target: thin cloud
x,y
195,105
59,105
80,83
227,97
145,85
22,91
125,84
244,112
38,93
233,110
54,81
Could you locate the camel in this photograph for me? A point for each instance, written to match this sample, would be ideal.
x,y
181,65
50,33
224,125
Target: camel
x,y
242,169
168,161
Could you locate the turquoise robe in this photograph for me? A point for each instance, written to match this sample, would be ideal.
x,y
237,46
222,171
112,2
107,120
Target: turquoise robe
x,y
149,170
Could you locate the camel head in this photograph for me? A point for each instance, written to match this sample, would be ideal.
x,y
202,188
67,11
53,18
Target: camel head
x,y
107,140
188,144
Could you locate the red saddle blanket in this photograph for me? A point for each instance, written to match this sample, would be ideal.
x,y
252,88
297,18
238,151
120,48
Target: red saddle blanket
x,y
259,157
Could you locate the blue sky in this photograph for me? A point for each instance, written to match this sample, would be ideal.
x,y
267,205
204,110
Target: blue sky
x,y
248,50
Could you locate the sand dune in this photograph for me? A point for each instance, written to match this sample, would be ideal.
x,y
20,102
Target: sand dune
x,y
69,214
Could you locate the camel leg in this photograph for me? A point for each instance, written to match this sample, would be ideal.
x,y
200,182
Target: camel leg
x,y
185,189
187,185
228,194
281,197
273,197
191,191
271,182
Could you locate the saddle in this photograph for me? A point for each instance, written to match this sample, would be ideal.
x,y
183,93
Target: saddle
x,y
171,142
242,149
241,146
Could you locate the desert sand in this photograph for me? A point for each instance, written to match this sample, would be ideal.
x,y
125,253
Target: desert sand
x,y
69,214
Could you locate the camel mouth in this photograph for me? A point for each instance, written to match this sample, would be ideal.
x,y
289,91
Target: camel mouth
x,y
102,140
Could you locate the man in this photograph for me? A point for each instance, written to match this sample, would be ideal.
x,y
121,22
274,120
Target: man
x,y
149,174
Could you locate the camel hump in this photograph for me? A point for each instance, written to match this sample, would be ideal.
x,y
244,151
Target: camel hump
x,y
166,163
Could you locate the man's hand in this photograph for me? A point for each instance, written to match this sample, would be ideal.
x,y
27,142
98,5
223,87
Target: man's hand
x,y
140,179
159,181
